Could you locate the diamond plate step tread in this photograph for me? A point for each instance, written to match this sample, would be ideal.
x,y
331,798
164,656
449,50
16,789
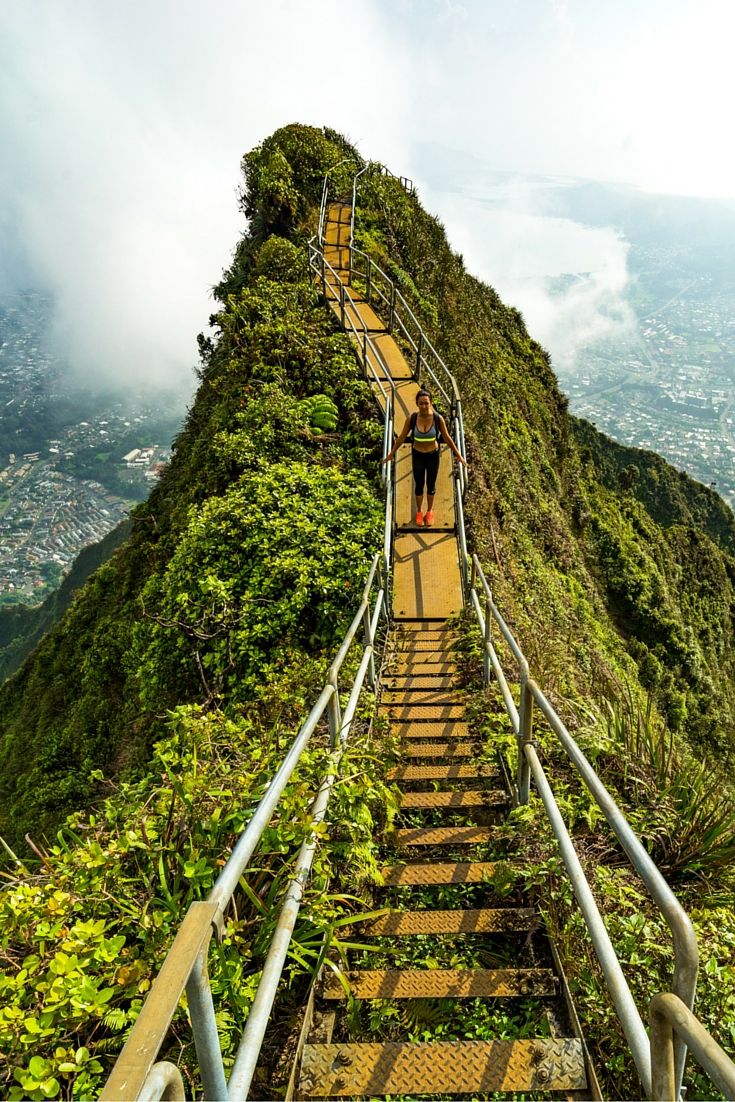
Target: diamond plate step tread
x,y
432,728
443,983
421,666
409,633
455,798
411,682
480,1067
407,712
442,836
436,773
479,921
427,696
438,872
439,750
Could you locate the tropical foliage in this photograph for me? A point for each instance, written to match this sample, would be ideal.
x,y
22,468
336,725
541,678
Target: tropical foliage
x,y
157,707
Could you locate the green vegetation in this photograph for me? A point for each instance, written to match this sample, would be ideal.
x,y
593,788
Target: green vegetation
x,y
156,709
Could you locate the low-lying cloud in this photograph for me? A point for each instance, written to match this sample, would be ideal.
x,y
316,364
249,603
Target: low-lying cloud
x,y
123,127
570,281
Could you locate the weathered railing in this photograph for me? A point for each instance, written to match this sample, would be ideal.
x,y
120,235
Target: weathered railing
x,y
137,1073
669,1017
686,955
659,1059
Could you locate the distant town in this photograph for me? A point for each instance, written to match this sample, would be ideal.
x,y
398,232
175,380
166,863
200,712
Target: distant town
x,y
65,480
672,388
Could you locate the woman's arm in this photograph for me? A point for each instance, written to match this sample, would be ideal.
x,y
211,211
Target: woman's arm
x,y
448,440
403,436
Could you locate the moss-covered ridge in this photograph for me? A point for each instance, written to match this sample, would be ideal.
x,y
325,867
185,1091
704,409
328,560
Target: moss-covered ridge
x,y
246,561
614,567
605,581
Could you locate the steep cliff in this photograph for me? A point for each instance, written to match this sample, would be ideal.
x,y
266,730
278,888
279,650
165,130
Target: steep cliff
x,y
160,704
613,567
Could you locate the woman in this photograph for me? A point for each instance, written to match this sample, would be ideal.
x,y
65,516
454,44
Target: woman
x,y
426,428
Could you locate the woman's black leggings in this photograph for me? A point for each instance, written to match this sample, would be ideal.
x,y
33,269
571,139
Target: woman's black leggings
x,y
425,469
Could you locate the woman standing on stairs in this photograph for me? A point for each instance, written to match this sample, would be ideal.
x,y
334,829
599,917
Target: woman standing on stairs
x,y
426,429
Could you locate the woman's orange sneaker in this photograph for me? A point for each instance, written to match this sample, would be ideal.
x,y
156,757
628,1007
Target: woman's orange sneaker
x,y
429,519
419,520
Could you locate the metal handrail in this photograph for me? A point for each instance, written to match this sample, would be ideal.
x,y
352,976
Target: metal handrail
x,y
186,961
185,965
686,953
325,189
669,1016
427,359
660,1060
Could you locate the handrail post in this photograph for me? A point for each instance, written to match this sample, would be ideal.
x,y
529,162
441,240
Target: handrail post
x,y
419,353
334,712
368,635
392,306
204,1028
525,737
663,1075
488,641
369,280
342,303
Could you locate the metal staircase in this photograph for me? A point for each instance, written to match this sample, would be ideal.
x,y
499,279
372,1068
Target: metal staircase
x,y
448,812
443,859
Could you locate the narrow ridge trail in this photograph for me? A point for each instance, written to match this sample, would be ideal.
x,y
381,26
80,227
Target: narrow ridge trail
x,y
466,951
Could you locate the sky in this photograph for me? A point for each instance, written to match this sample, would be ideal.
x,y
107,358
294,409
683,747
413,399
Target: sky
x,y
123,125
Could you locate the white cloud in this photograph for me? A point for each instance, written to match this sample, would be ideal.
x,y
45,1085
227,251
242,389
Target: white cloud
x,y
522,254
126,125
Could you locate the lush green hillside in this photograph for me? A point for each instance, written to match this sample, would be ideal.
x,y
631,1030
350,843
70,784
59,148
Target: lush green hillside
x,y
160,703
614,566
248,553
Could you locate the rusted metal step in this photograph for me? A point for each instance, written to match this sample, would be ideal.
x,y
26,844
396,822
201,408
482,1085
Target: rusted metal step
x,y
443,983
454,798
432,729
439,749
447,872
430,651
442,836
421,632
497,920
419,683
437,772
407,712
426,696
479,1067
424,664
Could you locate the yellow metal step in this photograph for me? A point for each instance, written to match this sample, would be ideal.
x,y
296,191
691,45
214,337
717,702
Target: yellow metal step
x,y
443,983
455,798
404,713
399,1068
436,773
497,920
428,696
426,577
431,728
439,750
446,872
411,682
443,836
